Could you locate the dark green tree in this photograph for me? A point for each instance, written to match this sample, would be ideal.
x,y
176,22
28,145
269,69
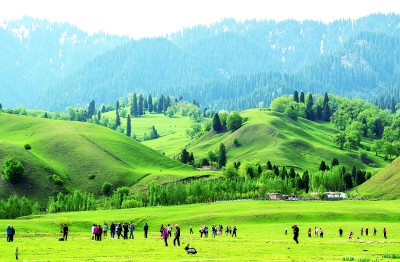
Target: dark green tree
x,y
269,165
128,126
335,162
150,102
134,106
145,105
117,105
13,170
309,109
45,115
292,173
91,109
103,109
217,127
348,181
306,180
222,155
322,166
160,104
296,96
117,119
98,115
106,188
140,105
1,106
184,156
326,100
302,100
326,113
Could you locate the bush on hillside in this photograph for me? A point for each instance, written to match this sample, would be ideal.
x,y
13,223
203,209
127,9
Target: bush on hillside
x,y
27,147
13,170
91,177
57,180
106,188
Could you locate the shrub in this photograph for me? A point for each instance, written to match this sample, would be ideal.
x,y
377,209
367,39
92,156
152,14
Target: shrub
x,y
27,147
106,188
57,180
13,170
91,177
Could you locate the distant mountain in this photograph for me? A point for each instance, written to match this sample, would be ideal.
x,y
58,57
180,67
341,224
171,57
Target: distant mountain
x,y
36,54
231,65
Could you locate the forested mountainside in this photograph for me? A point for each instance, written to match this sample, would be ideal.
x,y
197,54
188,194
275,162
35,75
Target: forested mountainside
x,y
36,54
230,64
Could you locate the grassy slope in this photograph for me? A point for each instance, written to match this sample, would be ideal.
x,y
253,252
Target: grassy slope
x,y
384,184
260,232
73,150
275,137
172,133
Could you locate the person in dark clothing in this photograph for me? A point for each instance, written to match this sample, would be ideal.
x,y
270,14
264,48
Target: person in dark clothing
x,y
375,231
234,231
146,229
384,233
340,232
164,234
9,232
13,233
112,230
296,233
125,226
65,232
177,235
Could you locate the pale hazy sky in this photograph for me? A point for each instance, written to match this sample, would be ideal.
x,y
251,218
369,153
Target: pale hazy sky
x,y
158,17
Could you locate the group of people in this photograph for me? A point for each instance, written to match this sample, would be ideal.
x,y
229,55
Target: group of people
x,y
216,230
10,233
166,232
320,232
116,229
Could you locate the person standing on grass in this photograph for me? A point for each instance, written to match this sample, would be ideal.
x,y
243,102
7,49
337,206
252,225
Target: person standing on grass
x,y
164,234
351,235
321,233
105,228
65,232
13,233
309,232
119,230
374,231
384,232
177,235
99,232
296,233
366,231
125,226
361,231
9,232
131,228
146,229
316,231
190,230
340,232
234,231
112,230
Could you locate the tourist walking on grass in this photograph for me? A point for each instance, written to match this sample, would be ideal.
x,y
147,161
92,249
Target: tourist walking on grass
x,y
234,231
9,232
105,228
164,234
361,231
366,231
146,229
177,235
65,232
340,232
13,233
309,232
131,229
296,233
374,231
321,233
351,235
112,230
125,226
316,231
384,232
190,230
119,230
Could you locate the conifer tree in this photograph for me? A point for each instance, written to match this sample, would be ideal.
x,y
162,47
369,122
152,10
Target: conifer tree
x,y
296,96
302,97
117,119
134,106
128,125
150,102
140,105
98,115
306,180
222,155
91,109
184,156
322,166
269,165
309,110
217,127
116,105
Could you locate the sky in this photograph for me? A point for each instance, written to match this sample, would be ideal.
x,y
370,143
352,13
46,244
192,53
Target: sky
x,y
147,18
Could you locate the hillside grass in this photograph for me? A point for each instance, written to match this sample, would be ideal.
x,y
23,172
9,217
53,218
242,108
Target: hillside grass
x,y
275,137
260,236
75,150
383,185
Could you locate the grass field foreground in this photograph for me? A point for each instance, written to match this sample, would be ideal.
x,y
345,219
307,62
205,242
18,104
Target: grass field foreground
x,y
261,226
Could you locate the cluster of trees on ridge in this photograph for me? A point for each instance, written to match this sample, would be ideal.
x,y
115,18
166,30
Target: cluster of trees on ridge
x,y
355,120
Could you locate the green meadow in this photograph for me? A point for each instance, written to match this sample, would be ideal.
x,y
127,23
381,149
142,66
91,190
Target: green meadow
x,y
260,235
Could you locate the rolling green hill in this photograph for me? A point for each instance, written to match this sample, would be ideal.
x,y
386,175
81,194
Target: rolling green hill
x,y
75,150
383,185
273,136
